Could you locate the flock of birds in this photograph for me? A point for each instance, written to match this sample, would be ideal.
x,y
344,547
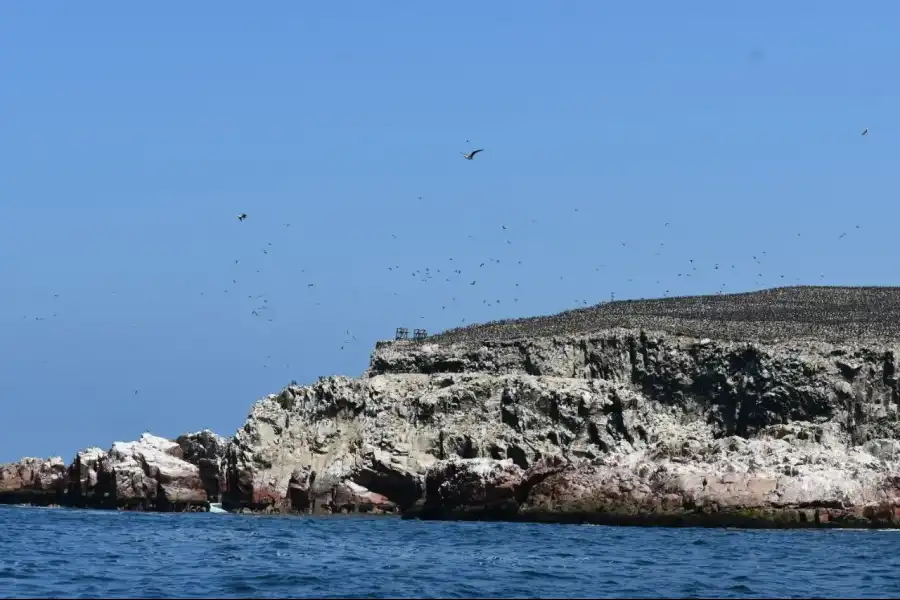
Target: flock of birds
x,y
424,275
462,276
453,273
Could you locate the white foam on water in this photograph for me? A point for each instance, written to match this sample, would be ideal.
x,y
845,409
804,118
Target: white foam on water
x,y
216,508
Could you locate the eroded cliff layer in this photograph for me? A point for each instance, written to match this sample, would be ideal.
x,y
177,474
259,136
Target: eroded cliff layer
x,y
620,425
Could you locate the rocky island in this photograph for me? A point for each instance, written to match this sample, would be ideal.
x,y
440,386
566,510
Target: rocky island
x,y
767,409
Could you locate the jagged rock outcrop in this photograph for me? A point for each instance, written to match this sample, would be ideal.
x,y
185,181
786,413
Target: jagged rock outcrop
x,y
149,474
206,449
152,473
84,479
332,444
641,427
35,481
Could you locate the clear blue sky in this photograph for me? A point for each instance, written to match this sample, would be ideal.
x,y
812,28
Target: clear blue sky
x,y
132,136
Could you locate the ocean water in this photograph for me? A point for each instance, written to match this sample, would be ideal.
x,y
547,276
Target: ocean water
x,y
77,553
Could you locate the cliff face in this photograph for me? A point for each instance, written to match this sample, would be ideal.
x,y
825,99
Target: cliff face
x,y
617,426
737,387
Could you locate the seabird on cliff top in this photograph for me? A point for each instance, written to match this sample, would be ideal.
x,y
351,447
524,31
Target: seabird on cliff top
x,y
471,155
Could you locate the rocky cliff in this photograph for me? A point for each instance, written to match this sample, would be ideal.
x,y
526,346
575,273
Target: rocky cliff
x,y
706,422
774,409
152,473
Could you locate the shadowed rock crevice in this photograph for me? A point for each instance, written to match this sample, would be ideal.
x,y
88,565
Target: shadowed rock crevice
x,y
399,488
206,450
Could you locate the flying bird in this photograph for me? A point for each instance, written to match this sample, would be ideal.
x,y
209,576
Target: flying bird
x,y
242,216
865,132
471,155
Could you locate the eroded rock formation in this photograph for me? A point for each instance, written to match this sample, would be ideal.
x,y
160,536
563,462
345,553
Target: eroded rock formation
x,y
206,450
33,481
619,426
152,473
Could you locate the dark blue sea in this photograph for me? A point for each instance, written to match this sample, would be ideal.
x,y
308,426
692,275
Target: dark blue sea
x,y
89,554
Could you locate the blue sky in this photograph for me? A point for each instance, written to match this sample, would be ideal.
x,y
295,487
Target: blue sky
x,y
134,135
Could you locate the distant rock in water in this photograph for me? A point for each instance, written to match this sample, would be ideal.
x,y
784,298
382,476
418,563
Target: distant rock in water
x,y
151,473
772,409
33,481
